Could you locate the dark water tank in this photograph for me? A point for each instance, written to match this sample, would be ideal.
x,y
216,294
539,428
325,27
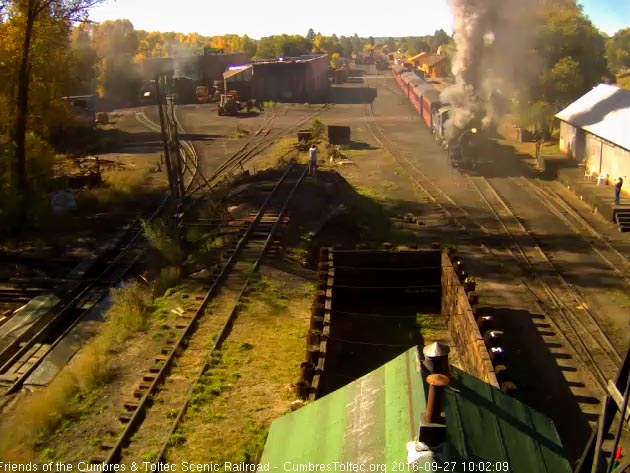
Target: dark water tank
x,y
338,135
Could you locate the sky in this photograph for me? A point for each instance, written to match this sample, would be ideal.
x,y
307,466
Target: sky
x,y
259,18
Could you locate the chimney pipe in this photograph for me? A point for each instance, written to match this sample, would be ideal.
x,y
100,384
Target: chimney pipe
x,y
436,355
437,383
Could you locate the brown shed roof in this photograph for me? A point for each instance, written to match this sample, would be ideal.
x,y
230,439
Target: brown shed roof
x,y
433,59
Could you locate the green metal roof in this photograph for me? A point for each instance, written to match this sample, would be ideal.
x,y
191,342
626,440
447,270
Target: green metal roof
x,y
371,420
484,424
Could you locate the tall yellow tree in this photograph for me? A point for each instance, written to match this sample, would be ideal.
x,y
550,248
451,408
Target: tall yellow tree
x,y
25,14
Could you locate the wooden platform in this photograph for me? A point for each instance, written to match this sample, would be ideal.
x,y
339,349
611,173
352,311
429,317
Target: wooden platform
x,y
599,196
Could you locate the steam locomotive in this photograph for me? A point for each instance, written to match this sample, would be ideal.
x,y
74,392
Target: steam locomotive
x,y
463,150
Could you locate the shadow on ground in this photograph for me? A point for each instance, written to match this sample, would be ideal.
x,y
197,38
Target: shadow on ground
x,y
328,211
117,141
495,159
352,95
538,374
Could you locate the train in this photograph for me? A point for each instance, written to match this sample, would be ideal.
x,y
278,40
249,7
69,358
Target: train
x,y
435,113
425,99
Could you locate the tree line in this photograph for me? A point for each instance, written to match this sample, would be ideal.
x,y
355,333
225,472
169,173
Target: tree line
x,y
49,50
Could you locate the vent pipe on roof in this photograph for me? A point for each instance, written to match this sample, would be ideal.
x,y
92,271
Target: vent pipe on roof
x,y
436,356
432,432
437,383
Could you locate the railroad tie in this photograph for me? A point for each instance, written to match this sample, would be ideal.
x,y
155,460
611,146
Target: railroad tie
x,y
107,446
131,405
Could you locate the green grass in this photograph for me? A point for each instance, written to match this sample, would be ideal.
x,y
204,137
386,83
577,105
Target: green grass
x,y
167,277
75,389
210,385
176,439
432,327
249,382
255,444
318,128
163,238
279,155
371,214
267,291
121,187
48,454
150,456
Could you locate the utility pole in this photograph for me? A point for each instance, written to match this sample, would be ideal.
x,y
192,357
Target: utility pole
x,y
164,133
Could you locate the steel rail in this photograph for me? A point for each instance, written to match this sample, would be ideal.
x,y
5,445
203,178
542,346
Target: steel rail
x,y
450,209
19,348
137,416
544,194
224,333
265,142
562,308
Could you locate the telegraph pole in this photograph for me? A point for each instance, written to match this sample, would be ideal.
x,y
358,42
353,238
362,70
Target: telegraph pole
x,y
164,133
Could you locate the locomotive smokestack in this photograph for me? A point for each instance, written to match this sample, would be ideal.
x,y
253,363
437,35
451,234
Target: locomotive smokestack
x,y
492,38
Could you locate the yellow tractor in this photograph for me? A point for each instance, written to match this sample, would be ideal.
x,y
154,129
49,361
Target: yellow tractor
x,y
203,93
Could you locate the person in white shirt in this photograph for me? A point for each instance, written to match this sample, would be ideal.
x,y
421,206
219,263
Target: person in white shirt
x,y
312,160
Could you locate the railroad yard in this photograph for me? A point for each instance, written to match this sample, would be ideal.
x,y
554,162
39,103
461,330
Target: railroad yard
x,y
219,355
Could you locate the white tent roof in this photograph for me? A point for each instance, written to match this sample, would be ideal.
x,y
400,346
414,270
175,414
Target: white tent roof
x,y
604,111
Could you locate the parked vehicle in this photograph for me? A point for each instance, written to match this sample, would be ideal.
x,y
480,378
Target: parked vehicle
x,y
203,93
229,104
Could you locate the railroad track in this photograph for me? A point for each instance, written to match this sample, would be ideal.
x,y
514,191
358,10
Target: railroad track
x,y
600,359
23,351
262,140
570,315
609,254
165,389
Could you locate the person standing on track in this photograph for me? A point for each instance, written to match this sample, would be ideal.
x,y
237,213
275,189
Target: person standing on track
x,y
312,160
618,184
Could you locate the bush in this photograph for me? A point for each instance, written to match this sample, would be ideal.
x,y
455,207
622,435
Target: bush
x,y
24,212
279,155
163,237
120,188
168,278
130,308
318,128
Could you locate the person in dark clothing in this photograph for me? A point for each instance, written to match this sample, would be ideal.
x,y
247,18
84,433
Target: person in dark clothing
x,y
618,184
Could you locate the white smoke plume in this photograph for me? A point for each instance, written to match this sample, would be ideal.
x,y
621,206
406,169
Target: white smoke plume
x,y
184,60
492,39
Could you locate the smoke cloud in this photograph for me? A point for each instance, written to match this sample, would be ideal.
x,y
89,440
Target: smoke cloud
x,y
184,60
493,39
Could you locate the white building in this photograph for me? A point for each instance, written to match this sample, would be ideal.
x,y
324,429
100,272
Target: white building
x,y
595,130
